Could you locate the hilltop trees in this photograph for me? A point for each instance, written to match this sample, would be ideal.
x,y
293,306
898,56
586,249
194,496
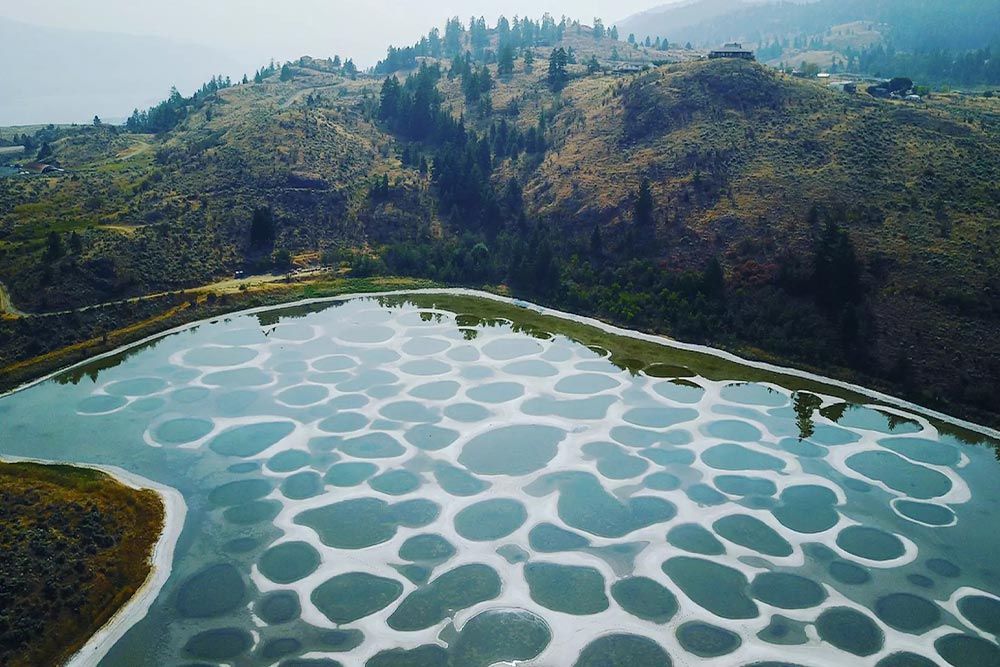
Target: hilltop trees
x,y
453,33
477,40
598,29
166,115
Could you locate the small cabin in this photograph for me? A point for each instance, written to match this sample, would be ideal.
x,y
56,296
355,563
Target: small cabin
x,y
732,50
627,68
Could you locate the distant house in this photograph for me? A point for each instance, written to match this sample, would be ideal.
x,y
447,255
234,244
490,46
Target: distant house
x,y
732,50
628,68
843,86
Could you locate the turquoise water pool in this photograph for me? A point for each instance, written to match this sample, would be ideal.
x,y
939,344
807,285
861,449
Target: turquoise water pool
x,y
375,483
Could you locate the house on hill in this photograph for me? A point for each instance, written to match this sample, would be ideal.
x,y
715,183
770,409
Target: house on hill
x,y
732,50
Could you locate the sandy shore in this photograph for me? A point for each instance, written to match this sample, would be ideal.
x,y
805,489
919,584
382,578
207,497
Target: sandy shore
x,y
175,510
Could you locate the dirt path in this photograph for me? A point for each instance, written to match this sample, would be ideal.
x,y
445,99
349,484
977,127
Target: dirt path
x,y
228,286
304,92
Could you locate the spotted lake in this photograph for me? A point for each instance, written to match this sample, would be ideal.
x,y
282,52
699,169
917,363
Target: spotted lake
x,y
434,480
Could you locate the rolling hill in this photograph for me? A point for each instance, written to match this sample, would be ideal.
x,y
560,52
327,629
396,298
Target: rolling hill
x,y
718,201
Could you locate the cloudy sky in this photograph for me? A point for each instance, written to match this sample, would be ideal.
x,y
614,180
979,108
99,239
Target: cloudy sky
x,y
250,31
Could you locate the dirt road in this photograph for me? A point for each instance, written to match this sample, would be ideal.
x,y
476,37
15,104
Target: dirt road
x,y
228,286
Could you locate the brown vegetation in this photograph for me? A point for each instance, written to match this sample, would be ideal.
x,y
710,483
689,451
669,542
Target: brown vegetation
x,y
75,546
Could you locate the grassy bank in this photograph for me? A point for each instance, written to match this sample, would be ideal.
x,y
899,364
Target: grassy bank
x,y
75,546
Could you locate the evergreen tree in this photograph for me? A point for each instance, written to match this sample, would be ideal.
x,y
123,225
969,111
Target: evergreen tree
x,y
54,248
836,278
529,61
389,99
598,30
558,76
593,66
613,33
644,204
453,34
262,228
713,283
505,66
503,32
596,243
286,73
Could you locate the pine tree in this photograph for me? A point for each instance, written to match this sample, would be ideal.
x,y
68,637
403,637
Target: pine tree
x,y
557,69
644,204
598,31
262,227
505,66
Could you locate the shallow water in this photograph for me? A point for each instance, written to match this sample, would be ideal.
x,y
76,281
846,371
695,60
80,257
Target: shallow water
x,y
370,483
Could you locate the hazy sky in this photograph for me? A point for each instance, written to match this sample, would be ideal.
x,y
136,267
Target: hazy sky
x,y
254,30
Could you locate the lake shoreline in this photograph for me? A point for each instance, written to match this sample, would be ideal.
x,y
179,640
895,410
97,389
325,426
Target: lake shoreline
x,y
161,559
885,400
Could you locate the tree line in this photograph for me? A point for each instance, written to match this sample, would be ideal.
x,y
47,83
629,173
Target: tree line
x,y
478,38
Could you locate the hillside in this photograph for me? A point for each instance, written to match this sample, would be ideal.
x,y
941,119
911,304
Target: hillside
x,y
779,218
944,42
750,166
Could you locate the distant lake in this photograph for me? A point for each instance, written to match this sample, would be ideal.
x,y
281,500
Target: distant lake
x,y
431,481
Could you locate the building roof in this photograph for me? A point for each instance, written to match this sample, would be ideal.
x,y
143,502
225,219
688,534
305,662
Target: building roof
x,y
731,47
